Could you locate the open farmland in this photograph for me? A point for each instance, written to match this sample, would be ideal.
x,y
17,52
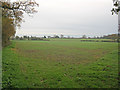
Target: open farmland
x,y
60,63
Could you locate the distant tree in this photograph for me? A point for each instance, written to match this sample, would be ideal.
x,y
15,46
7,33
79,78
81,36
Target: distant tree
x,y
44,36
84,36
56,36
28,38
112,36
62,36
17,37
97,37
21,38
25,37
49,36
89,37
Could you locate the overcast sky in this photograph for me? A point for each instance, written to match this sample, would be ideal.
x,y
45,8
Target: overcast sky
x,y
71,17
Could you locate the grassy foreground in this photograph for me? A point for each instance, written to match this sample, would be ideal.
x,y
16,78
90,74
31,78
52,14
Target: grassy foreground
x,y
60,64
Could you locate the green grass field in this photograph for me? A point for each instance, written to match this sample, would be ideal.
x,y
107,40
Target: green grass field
x,y
60,63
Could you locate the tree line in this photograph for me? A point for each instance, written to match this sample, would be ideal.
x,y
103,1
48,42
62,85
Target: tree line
x,y
110,36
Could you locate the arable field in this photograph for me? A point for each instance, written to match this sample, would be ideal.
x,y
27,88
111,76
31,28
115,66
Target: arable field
x,y
60,63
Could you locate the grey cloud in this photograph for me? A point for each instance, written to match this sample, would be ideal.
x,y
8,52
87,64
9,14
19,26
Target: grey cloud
x,y
90,17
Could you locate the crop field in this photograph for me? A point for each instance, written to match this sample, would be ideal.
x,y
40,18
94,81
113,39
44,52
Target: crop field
x,y
60,63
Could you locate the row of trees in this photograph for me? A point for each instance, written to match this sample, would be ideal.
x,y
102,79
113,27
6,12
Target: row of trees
x,y
12,16
33,37
111,36
27,38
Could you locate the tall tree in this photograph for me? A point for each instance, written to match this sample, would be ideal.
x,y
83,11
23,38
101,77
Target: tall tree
x,y
12,16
